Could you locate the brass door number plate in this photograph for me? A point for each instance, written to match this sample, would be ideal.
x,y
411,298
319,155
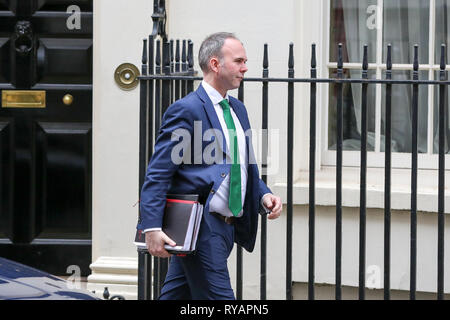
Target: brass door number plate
x,y
23,99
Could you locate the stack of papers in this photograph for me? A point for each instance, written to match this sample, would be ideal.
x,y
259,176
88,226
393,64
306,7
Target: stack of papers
x,y
181,223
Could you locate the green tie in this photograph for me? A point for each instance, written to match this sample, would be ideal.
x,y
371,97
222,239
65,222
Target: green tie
x,y
235,197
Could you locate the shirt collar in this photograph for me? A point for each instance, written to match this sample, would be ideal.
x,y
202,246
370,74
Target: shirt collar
x,y
213,94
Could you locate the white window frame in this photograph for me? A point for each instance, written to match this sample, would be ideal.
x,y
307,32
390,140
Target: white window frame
x,y
376,158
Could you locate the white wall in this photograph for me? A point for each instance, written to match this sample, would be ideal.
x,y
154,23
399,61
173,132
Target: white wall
x,y
119,27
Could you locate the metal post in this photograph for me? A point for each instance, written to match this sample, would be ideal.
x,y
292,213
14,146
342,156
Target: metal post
x,y
177,69
441,182
312,176
190,58
363,186
387,179
144,286
239,260
184,68
265,143
415,107
339,175
151,92
290,173
156,260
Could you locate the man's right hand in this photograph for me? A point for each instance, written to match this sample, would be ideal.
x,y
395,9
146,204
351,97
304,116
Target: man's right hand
x,y
155,241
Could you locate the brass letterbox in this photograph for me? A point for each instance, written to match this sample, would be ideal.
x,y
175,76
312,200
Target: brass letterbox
x,y
23,99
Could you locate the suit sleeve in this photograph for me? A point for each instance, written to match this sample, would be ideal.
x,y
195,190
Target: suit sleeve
x,y
263,189
162,167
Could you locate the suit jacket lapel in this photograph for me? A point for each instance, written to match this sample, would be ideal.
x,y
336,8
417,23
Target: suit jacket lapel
x,y
212,116
245,124
241,116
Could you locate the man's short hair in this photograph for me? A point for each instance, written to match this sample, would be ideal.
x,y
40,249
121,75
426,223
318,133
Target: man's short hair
x,y
212,47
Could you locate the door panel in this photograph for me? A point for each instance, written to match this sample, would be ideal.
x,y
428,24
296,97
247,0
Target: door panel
x,y
6,170
7,6
62,5
58,23
45,172
5,61
63,180
57,53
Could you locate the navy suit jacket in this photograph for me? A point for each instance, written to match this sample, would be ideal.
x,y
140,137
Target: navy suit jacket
x,y
193,115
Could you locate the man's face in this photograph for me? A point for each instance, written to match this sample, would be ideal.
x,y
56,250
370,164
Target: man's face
x,y
232,66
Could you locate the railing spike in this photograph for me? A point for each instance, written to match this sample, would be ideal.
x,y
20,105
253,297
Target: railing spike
x,y
158,53
340,59
365,64
177,51
416,57
183,52
144,52
166,56
291,56
265,58
313,56
172,56
389,57
190,56
151,53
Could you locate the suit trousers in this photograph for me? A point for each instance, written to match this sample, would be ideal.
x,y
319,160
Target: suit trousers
x,y
203,275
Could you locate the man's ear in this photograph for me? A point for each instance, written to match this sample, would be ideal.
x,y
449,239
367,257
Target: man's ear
x,y
214,64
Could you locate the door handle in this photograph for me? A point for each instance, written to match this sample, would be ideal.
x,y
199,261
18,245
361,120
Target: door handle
x,y
23,37
41,60
67,99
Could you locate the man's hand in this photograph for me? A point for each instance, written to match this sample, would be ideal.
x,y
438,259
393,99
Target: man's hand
x,y
155,241
274,204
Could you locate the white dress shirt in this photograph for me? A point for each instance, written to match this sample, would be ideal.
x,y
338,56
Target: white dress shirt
x,y
219,202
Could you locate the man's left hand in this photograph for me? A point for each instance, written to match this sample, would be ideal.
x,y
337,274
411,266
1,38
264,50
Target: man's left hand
x,y
274,204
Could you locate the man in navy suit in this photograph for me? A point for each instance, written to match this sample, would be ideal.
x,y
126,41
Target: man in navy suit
x,y
225,176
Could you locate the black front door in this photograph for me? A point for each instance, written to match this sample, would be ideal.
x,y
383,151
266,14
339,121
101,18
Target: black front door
x,y
46,133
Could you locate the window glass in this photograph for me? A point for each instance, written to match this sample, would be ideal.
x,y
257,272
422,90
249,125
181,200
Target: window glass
x,y
401,113
351,112
406,23
442,29
354,24
436,118
401,23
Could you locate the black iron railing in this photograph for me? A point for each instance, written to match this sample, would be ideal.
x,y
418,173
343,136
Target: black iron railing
x,y
168,74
